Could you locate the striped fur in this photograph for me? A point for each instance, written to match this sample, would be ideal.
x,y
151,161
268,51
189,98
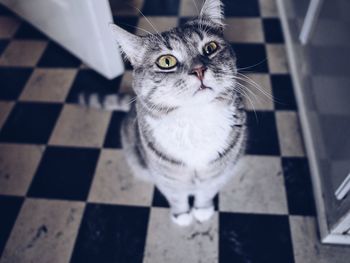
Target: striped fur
x,y
184,139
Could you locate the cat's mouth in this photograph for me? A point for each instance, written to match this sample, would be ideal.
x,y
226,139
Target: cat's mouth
x,y
202,88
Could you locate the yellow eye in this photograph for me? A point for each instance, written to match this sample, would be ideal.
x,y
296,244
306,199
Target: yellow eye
x,y
166,62
210,48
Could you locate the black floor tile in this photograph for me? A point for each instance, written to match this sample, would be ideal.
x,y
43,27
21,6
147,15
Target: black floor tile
x,y
159,200
241,8
112,139
298,186
282,89
273,30
56,56
65,173
251,57
3,45
254,239
129,23
111,234
27,31
262,134
30,123
12,81
89,82
161,7
9,208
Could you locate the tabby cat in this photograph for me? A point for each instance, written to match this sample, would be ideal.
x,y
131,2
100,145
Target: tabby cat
x,y
186,129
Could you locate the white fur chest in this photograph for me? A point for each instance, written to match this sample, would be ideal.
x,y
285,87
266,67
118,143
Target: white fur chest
x,y
194,134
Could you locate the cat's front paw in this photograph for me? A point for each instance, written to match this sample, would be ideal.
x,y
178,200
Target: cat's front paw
x,y
183,219
203,214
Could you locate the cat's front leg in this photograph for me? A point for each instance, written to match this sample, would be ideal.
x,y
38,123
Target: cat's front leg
x,y
179,206
203,208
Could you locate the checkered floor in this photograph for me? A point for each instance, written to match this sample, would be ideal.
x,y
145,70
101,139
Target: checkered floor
x,y
67,196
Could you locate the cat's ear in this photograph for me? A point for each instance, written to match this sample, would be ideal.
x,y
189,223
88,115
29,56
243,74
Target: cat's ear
x,y
213,10
130,44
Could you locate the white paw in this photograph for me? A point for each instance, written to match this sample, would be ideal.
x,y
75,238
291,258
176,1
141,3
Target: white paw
x,y
183,219
203,214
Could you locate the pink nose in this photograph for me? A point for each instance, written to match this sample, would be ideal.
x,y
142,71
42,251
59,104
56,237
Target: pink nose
x,y
199,72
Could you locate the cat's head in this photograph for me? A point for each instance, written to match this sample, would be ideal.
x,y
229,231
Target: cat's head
x,y
186,65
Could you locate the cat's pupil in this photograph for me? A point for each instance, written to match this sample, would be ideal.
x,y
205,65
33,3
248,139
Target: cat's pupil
x,y
167,62
209,49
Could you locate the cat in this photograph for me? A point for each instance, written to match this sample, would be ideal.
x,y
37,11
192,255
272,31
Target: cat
x,y
186,130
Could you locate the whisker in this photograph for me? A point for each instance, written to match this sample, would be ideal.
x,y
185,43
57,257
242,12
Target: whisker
x,y
247,89
137,27
253,84
146,19
262,61
195,4
154,28
255,96
245,95
133,99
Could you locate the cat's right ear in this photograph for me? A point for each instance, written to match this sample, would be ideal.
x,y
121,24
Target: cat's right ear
x,y
130,44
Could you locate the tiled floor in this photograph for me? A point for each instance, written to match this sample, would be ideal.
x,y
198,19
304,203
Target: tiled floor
x,y
67,196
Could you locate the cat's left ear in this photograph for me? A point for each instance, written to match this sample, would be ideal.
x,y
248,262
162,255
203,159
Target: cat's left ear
x,y
214,11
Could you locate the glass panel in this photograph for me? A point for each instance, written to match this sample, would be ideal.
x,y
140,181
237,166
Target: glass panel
x,y
324,67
